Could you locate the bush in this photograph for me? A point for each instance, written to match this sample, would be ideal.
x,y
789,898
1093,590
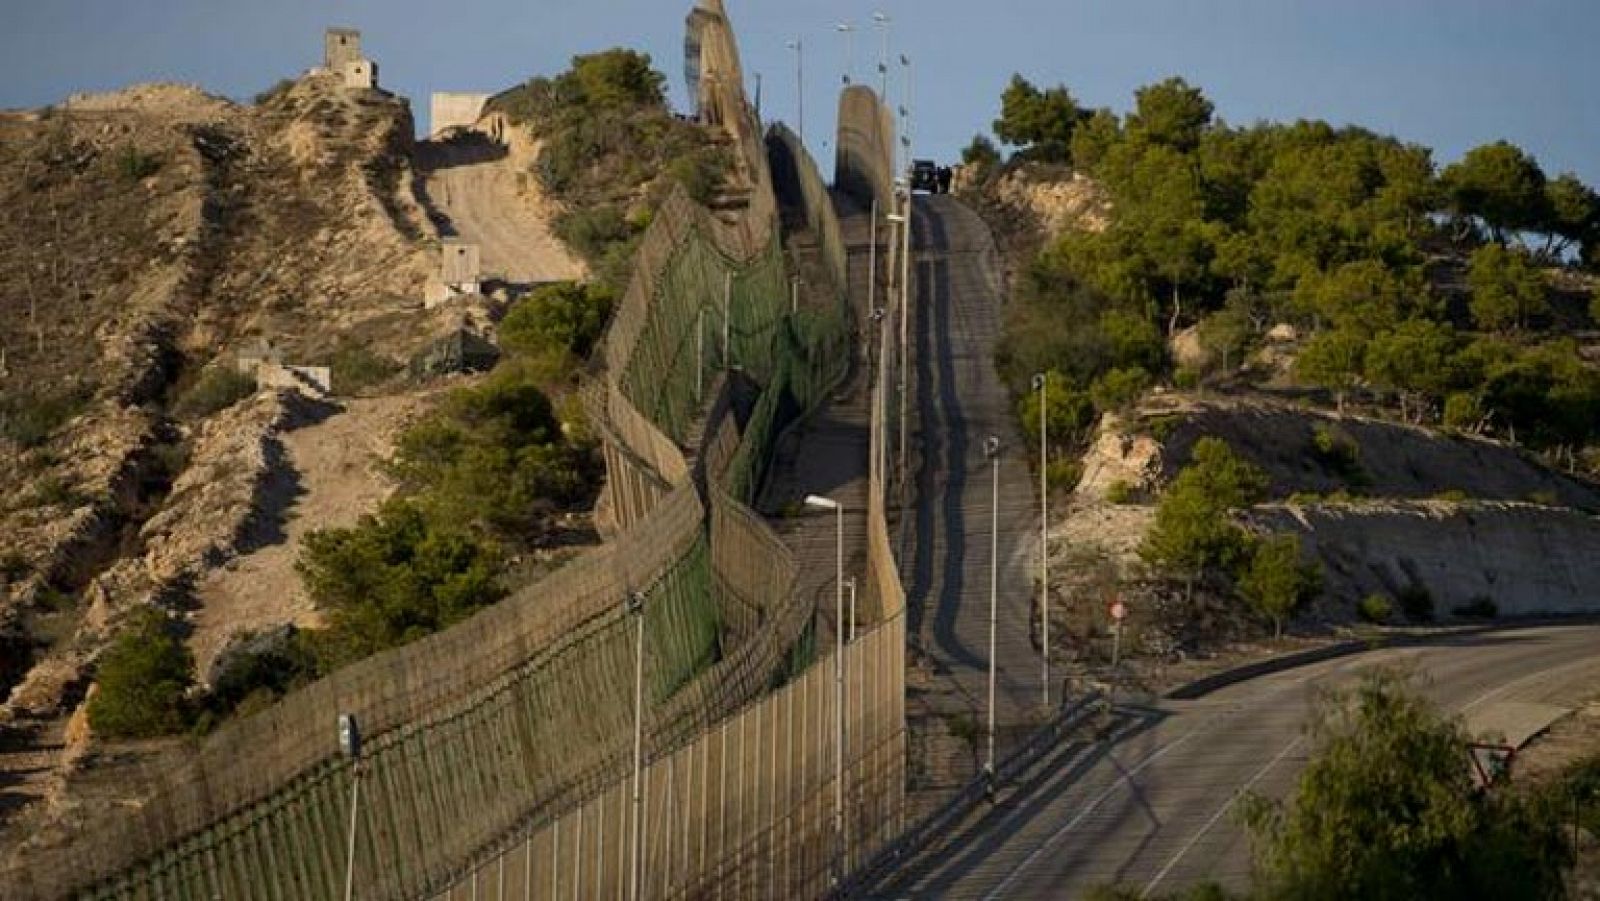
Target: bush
x,y
700,173
1338,451
564,318
1376,608
143,679
592,231
1120,389
1119,492
1480,607
279,88
30,420
1416,602
135,165
218,388
1063,474
1452,495
355,368
391,579
1463,412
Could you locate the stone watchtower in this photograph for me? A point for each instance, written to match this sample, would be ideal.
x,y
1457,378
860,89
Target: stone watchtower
x,y
339,47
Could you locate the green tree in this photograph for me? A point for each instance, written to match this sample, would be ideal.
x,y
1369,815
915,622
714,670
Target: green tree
x,y
1039,122
981,156
1093,139
392,578
561,319
1500,185
1276,582
1385,810
1171,113
613,78
1415,360
1574,209
1069,413
1334,359
143,681
1507,290
1119,389
1193,530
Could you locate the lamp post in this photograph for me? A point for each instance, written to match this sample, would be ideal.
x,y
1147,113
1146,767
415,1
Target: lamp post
x,y
882,21
1041,385
848,29
851,584
818,502
635,608
991,447
905,318
799,49
350,746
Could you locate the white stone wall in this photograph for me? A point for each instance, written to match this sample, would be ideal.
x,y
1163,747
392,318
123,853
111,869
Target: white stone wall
x,y
454,109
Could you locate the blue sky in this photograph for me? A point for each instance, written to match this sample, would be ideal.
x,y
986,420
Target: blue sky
x,y
1446,73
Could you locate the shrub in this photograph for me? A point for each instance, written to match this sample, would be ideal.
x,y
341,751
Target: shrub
x,y
593,230
218,388
1416,602
563,318
1120,389
30,420
135,165
393,578
279,88
1452,495
1463,412
1376,608
54,491
355,368
143,679
1063,474
1119,492
1544,497
13,567
700,173
1480,607
1338,451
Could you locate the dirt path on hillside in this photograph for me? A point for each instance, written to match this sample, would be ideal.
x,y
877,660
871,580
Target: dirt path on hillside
x,y
331,479
483,192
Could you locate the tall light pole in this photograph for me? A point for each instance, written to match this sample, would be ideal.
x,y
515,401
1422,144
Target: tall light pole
x,y
905,110
799,49
851,584
818,502
991,447
1041,384
848,29
350,746
882,21
635,608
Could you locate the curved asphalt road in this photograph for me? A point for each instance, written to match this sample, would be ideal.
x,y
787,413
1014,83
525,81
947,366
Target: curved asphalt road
x,y
1152,807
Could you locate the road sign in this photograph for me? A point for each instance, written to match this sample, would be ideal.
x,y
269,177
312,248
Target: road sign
x,y
1119,610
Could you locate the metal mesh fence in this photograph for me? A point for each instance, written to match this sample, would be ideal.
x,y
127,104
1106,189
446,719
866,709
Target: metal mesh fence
x,y
492,728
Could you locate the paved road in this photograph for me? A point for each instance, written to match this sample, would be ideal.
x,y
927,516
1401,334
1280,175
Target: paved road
x,y
960,401
1151,809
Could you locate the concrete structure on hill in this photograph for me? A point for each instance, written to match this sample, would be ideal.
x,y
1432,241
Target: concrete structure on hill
x,y
460,272
454,109
360,74
340,46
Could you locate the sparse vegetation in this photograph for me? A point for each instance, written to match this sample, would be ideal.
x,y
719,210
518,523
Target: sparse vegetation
x,y
1376,608
354,367
144,680
134,164
218,388
1416,602
31,419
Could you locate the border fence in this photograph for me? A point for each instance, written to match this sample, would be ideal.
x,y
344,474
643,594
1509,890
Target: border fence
x,y
500,748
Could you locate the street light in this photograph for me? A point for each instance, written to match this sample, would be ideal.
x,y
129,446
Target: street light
x,y
905,317
848,29
851,584
350,746
799,49
634,607
818,502
991,447
882,21
1041,384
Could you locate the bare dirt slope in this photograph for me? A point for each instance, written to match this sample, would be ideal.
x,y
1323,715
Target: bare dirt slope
x,y
329,478
482,191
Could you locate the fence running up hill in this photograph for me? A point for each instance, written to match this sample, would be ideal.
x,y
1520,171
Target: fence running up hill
x,y
505,731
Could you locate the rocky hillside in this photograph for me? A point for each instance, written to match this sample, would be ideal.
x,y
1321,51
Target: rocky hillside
x,y
152,234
